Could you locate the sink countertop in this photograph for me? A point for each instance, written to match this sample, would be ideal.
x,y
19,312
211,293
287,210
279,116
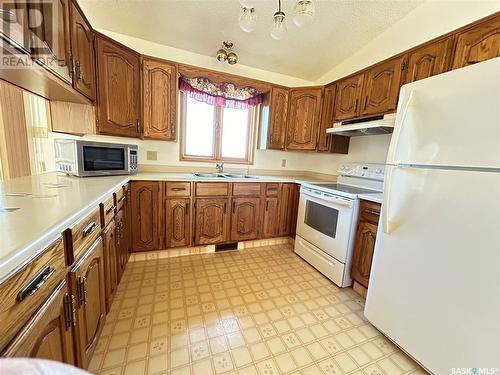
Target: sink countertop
x,y
45,205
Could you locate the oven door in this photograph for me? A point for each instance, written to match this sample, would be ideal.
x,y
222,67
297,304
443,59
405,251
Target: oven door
x,y
97,159
325,220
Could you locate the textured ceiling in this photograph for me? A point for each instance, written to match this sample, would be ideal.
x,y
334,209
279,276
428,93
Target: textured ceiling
x,y
340,28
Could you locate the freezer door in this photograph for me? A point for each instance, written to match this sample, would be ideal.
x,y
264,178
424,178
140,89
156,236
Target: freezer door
x,y
451,119
435,286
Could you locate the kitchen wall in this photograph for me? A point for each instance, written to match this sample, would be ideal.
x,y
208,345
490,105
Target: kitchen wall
x,y
427,21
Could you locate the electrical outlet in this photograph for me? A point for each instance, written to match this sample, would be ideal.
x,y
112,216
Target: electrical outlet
x,y
283,163
151,155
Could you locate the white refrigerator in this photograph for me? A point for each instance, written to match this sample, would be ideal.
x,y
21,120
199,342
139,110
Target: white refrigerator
x,y
435,281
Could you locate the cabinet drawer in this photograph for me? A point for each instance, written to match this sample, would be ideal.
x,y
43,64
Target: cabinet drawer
x,y
23,293
245,189
369,211
120,195
81,234
212,188
178,189
272,189
107,211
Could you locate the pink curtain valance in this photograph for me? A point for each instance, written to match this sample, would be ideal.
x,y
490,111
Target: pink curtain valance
x,y
224,94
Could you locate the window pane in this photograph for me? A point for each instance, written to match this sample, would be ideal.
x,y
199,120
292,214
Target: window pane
x,y
199,128
234,133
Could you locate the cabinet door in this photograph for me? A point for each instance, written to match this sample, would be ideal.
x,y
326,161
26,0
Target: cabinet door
x,y
289,200
82,47
348,97
110,261
50,39
211,224
49,333
178,222
87,284
245,219
278,110
303,120
121,242
381,87
479,43
329,142
159,83
271,214
363,252
118,97
14,24
145,213
429,60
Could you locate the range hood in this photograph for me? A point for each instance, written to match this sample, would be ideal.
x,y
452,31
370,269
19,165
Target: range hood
x,y
367,126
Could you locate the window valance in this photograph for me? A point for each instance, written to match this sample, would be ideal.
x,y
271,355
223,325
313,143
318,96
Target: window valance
x,y
224,94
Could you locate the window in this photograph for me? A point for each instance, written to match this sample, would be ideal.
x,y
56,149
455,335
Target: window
x,y
215,133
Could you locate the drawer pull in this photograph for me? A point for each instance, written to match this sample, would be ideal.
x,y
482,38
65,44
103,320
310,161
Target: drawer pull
x,y
122,198
89,229
36,283
372,211
111,208
178,189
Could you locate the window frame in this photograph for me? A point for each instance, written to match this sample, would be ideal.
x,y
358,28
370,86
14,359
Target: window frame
x,y
217,136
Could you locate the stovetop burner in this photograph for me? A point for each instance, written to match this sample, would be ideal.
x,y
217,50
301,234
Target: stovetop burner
x,y
345,188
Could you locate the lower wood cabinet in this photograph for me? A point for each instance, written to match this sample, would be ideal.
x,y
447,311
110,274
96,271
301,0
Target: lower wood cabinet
x,y
110,242
270,218
49,333
87,284
245,218
211,221
364,244
178,222
288,205
146,214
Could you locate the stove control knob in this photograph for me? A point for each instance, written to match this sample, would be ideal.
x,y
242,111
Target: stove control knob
x,y
379,170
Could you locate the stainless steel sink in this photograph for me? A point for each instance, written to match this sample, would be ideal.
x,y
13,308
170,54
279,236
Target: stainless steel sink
x,y
230,175
210,175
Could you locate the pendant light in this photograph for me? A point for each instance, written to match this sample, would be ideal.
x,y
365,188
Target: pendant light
x,y
247,20
304,13
279,28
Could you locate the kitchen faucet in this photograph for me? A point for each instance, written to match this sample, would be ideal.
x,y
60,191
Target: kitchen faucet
x,y
219,167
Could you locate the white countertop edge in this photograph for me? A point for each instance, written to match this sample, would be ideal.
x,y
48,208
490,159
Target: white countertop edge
x,y
375,197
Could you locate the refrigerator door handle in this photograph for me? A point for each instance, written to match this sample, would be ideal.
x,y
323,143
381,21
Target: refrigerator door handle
x,y
394,145
386,224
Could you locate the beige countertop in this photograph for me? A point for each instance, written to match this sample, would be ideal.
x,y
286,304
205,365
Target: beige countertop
x,y
45,205
372,197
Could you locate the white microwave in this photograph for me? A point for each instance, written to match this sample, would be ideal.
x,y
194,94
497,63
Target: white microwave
x,y
84,158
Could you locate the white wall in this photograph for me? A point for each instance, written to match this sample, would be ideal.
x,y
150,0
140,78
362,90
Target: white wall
x,y
430,20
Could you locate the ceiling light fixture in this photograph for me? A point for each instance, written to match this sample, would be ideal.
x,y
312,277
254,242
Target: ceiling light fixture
x,y
279,28
304,13
247,20
223,55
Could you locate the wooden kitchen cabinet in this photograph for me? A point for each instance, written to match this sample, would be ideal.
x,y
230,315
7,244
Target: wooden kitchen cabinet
x,y
348,97
270,220
211,220
381,87
478,43
49,333
303,118
110,261
87,282
118,97
329,142
288,206
278,111
364,243
429,60
122,238
178,222
145,211
82,48
159,99
245,218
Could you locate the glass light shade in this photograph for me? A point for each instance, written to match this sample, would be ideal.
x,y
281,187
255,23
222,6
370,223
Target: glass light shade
x,y
221,55
232,58
304,12
247,20
248,3
279,28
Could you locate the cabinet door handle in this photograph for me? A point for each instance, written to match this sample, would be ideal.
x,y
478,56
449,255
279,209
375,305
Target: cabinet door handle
x,y
366,102
122,198
111,208
186,209
267,205
372,211
36,283
234,207
172,129
178,189
78,71
89,229
225,207
356,105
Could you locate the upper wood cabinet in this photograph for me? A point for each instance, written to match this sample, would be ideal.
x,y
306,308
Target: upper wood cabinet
x,y
82,47
49,333
211,222
329,142
245,218
159,96
348,96
303,118
429,60
381,87
88,285
145,211
178,222
118,97
278,110
480,42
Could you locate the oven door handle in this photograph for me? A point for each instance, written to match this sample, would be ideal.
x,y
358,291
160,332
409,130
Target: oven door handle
x,y
339,201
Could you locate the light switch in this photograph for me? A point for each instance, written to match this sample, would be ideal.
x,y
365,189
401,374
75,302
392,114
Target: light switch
x,y
151,155
283,163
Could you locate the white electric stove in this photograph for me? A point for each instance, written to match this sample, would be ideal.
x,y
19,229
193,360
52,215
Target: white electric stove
x,y
327,219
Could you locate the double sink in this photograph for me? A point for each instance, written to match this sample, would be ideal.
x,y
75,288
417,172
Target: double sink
x,y
223,175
